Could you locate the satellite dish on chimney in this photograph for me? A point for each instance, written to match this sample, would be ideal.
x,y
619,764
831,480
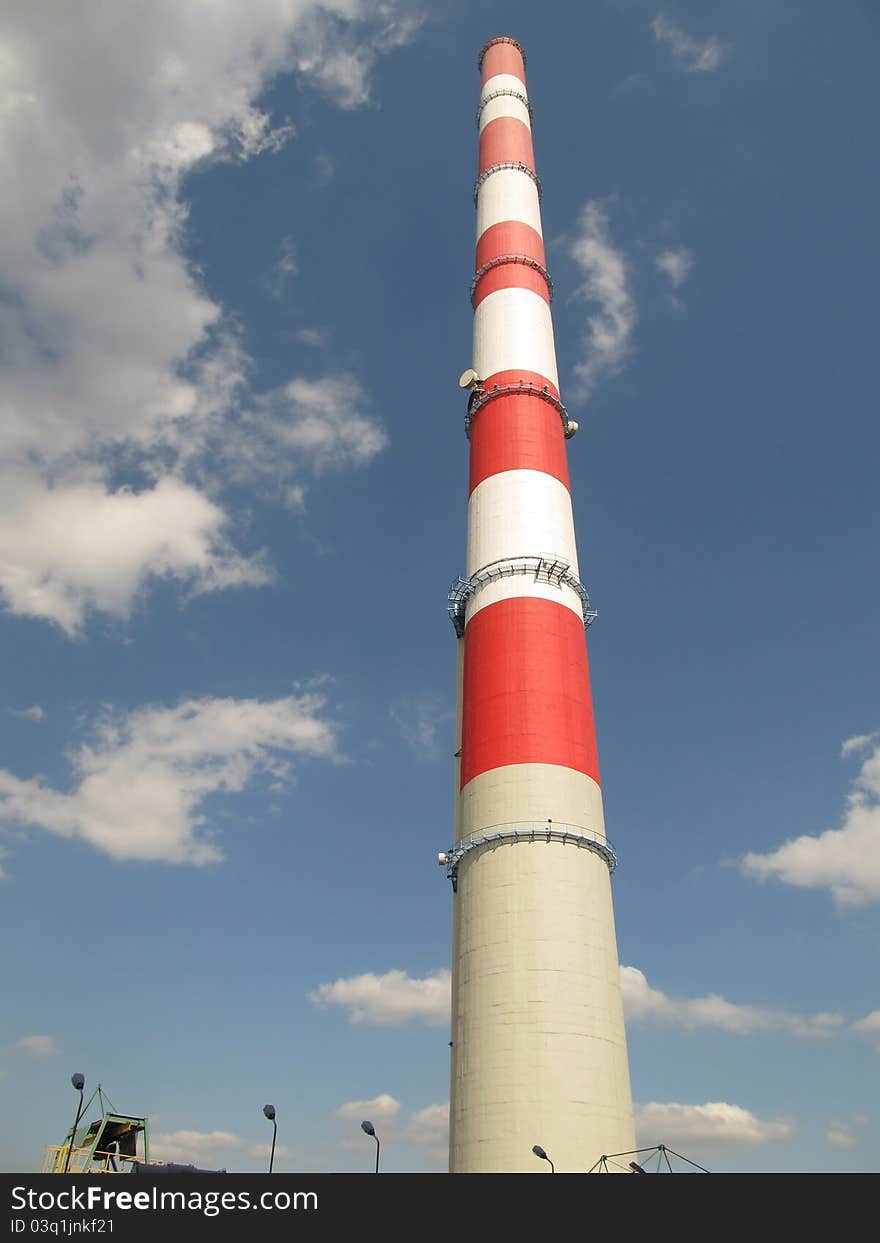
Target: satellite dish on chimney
x,y
468,378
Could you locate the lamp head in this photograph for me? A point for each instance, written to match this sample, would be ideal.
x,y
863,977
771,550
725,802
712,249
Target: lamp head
x,y
368,1128
269,1111
78,1081
635,1167
539,1152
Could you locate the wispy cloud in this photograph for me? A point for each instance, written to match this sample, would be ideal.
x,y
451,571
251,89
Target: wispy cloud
x,y
644,1004
420,721
284,269
428,1129
323,168
321,421
311,336
388,1000
36,1046
192,1147
255,135
161,764
34,713
845,1134
713,1126
844,860
852,746
341,66
632,82
607,340
675,263
262,1152
694,55
869,1026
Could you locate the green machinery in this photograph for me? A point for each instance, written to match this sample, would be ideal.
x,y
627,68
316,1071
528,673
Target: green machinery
x,y
110,1144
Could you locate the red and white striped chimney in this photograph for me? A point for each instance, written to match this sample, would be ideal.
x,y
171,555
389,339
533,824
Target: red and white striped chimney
x,y
538,1042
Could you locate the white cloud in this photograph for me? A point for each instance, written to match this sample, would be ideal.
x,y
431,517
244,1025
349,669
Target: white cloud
x,y
642,1003
311,336
320,421
851,746
605,283
870,1023
262,1152
381,1108
389,1000
869,1026
695,55
143,781
396,998
845,1134
77,546
839,1135
675,263
715,1125
295,498
844,860
341,69
111,344
36,1046
191,1147
256,134
428,1129
34,713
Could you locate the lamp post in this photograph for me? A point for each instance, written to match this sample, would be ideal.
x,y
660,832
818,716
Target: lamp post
x,y
369,1129
79,1083
539,1152
269,1111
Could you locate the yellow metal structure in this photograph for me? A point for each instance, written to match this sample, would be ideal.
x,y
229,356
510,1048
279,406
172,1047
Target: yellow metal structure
x,y
85,1161
112,1143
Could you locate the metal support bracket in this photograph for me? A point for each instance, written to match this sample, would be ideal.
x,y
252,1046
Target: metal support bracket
x,y
482,396
501,39
544,569
504,90
511,834
497,168
500,260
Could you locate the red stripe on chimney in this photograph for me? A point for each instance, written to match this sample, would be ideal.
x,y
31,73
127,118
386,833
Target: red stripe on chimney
x,y
526,696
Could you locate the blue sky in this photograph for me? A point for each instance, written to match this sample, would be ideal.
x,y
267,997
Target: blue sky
x,y
237,249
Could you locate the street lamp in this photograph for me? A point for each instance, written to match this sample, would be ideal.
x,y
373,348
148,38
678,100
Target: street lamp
x,y
539,1152
636,1168
79,1082
269,1111
369,1129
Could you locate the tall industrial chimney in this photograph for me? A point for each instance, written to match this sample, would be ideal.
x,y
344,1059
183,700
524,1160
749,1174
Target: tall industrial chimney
x,y
538,1042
